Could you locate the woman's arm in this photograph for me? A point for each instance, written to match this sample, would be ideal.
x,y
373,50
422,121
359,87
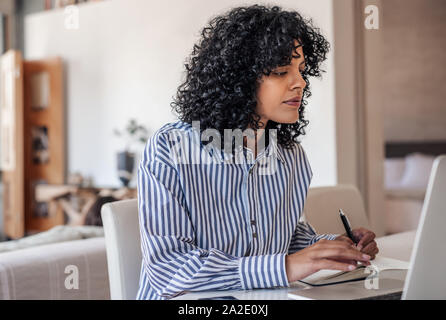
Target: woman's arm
x,y
304,234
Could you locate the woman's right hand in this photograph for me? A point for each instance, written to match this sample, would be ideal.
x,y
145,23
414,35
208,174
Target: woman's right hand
x,y
324,254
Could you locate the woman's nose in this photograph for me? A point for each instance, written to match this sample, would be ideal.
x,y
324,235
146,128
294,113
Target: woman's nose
x,y
299,82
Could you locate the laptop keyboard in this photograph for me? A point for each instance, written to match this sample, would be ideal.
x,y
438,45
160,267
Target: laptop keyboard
x,y
389,296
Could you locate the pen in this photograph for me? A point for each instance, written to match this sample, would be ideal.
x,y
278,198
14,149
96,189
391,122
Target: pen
x,y
346,224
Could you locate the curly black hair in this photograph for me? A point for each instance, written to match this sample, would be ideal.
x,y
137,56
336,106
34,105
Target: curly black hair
x,y
235,51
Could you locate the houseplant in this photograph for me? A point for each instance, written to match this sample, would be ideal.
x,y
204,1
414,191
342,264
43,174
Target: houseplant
x,y
134,133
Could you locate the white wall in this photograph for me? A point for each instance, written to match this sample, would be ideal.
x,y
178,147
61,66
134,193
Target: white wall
x,y
126,60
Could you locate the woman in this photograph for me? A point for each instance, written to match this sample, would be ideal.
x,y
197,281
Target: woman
x,y
221,210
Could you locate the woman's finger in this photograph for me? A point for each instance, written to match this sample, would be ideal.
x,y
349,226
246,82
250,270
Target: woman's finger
x,y
369,248
353,262
358,233
366,239
341,253
374,253
332,244
333,265
345,239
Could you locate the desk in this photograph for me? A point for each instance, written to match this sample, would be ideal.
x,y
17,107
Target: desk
x,y
397,246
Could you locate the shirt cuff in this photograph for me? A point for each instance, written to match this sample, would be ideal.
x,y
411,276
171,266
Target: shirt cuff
x,y
327,236
265,271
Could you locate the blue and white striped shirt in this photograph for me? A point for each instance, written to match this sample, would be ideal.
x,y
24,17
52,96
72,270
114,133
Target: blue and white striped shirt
x,y
218,225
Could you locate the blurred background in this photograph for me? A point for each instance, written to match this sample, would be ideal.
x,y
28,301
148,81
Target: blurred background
x,y
85,83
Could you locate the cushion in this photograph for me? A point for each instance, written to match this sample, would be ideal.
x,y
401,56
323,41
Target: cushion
x,y
393,172
56,234
417,172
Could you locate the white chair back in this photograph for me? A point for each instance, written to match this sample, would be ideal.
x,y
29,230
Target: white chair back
x,y
122,240
323,204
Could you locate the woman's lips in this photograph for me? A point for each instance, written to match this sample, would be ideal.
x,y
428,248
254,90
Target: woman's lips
x,y
293,103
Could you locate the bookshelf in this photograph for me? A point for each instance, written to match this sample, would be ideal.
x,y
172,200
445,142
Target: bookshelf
x,y
33,141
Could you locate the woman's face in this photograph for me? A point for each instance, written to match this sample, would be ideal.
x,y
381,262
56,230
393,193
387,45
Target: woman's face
x,y
283,84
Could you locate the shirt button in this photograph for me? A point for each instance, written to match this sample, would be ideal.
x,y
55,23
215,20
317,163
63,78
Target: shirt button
x,y
254,235
253,222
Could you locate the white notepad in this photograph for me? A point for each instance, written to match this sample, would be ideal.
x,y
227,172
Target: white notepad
x,y
327,277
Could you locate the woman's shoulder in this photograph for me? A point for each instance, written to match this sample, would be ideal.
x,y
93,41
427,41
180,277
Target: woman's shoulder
x,y
160,143
303,158
173,126
295,155
292,150
299,150
169,131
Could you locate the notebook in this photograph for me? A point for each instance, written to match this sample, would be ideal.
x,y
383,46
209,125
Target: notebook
x,y
329,277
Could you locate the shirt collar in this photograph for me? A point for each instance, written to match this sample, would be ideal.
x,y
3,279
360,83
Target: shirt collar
x,y
275,149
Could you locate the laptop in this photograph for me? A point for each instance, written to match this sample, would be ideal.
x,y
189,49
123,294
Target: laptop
x,y
425,277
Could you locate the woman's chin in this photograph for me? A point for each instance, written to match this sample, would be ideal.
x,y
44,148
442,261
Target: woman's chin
x,y
288,120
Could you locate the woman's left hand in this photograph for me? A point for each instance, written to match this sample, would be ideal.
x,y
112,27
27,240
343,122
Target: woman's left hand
x,y
365,240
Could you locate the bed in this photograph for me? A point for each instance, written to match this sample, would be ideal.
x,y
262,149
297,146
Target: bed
x,y
407,170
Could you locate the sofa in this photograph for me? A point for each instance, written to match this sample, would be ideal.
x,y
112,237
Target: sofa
x,y
405,184
62,263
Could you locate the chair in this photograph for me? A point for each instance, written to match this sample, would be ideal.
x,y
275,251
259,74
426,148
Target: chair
x,y
322,208
122,240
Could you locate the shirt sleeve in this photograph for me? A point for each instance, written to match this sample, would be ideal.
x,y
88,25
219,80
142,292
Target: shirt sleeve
x,y
172,261
305,235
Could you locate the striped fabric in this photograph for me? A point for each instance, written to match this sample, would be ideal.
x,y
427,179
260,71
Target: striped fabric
x,y
218,224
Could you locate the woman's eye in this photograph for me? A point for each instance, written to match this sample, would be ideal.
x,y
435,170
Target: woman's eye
x,y
280,73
